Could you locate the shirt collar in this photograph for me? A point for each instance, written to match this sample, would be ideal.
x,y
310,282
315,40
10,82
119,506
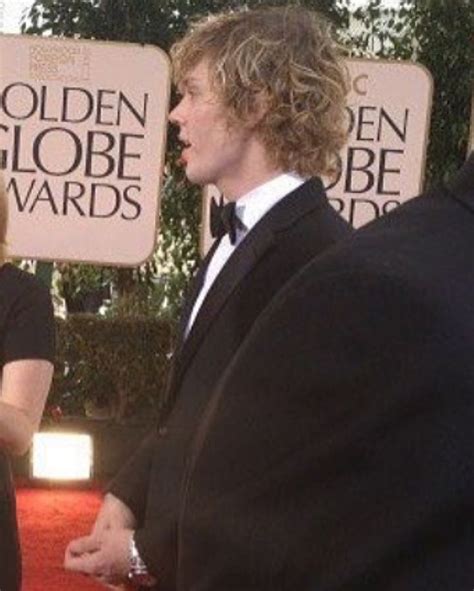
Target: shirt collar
x,y
252,206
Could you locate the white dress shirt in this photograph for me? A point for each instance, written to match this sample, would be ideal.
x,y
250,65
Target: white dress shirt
x,y
250,208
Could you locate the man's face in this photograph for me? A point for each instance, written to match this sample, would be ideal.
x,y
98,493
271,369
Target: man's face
x,y
214,151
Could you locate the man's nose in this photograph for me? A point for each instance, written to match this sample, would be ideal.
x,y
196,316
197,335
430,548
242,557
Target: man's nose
x,y
176,115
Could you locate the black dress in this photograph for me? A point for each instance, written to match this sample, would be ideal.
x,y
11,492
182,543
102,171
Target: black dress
x,y
26,332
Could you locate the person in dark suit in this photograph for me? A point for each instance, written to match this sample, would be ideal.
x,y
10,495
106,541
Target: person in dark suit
x,y
262,111
337,451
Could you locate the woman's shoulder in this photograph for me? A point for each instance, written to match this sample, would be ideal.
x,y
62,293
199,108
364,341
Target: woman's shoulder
x,y
26,317
16,284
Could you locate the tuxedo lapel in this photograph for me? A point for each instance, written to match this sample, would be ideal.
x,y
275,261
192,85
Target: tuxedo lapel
x,y
193,292
241,262
259,240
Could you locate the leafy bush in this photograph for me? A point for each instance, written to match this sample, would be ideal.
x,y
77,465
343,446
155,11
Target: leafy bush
x,y
116,367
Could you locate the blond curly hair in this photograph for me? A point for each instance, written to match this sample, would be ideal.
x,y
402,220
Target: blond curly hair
x,y
3,220
287,58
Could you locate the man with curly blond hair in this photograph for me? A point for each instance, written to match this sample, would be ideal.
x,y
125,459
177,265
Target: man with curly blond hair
x,y
262,117
276,80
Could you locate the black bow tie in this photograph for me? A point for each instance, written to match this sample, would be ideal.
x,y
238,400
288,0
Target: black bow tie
x,y
224,220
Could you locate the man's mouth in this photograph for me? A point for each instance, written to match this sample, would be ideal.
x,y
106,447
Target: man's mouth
x,y
185,145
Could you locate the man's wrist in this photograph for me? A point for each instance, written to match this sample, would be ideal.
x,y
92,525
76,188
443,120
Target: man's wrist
x,y
138,575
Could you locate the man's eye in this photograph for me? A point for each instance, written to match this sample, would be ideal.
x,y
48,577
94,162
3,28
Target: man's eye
x,y
192,91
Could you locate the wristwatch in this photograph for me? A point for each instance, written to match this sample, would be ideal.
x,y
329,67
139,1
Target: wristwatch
x,y
138,575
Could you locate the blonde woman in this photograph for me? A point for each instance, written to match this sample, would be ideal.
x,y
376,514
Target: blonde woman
x,y
26,369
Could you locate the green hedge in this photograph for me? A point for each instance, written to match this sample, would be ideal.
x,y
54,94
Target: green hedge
x,y
111,367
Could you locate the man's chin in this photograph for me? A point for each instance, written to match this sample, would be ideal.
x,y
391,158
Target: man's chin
x,y
197,179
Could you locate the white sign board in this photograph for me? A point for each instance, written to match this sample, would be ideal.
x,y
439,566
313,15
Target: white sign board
x,y
389,110
383,163
82,141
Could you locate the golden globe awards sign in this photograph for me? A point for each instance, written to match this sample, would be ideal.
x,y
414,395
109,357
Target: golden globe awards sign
x,y
82,140
389,110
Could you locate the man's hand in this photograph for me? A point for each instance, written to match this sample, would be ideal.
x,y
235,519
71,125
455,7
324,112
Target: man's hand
x,y
113,514
104,556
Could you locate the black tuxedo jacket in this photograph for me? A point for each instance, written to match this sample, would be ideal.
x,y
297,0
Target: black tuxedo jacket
x,y
337,452
300,226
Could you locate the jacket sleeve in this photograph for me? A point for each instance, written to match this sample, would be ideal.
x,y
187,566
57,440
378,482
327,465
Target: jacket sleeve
x,y
131,483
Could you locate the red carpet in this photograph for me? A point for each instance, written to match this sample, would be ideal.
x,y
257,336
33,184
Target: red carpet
x,y
49,519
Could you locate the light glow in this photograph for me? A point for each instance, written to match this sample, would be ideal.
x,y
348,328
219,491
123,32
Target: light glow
x,y
62,456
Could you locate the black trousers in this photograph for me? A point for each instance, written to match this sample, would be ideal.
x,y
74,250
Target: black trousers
x,y
10,560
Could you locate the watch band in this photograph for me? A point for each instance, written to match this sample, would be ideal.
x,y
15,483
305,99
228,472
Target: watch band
x,y
138,575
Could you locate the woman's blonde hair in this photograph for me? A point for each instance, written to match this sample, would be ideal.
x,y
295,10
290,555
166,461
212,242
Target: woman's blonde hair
x,y
287,57
3,220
